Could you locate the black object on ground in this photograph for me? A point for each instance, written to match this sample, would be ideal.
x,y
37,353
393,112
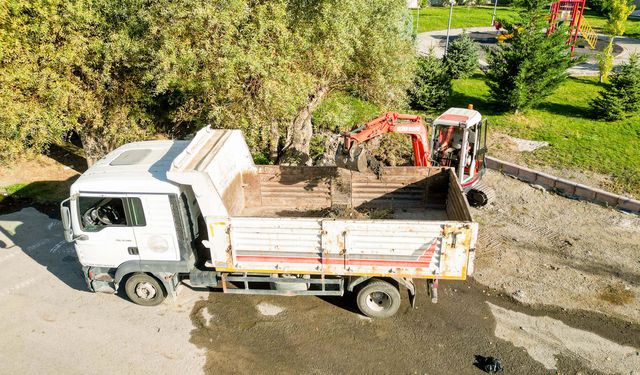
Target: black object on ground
x,y
488,364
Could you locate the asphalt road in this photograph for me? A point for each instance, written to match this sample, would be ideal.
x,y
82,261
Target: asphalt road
x,y
51,324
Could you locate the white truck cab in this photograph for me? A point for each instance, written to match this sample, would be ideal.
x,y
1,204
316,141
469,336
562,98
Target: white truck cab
x,y
151,215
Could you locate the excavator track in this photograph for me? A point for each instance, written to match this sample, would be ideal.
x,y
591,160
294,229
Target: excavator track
x,y
480,195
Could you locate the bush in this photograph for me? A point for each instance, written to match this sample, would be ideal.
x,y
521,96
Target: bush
x,y
432,84
621,98
462,57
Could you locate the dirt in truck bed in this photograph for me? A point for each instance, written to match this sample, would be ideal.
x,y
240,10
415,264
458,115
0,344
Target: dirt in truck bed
x,y
357,213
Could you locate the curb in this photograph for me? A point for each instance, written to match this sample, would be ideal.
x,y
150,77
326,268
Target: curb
x,y
565,187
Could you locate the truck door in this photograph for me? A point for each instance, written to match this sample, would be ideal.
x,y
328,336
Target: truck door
x,y
103,225
155,233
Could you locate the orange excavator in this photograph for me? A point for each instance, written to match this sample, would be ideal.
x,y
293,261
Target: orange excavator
x,y
458,140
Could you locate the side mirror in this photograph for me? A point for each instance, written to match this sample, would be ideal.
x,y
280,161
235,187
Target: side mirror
x,y
65,214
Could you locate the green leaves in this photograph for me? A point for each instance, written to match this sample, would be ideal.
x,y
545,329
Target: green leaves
x,y
432,84
617,13
622,97
462,57
117,71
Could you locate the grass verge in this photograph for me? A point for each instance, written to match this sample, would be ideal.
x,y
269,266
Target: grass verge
x,y
576,141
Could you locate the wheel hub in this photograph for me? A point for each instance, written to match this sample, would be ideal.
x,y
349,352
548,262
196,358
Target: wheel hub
x,y
145,290
378,301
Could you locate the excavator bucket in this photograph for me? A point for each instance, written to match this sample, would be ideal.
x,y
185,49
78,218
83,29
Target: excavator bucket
x,y
354,159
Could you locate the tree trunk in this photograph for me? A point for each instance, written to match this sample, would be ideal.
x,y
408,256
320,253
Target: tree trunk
x,y
300,131
274,141
94,145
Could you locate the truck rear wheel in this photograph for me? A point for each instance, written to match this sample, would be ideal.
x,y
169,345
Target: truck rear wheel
x,y
378,299
144,290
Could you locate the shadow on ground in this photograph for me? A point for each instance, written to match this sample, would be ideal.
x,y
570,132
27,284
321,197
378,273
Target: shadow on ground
x,y
40,237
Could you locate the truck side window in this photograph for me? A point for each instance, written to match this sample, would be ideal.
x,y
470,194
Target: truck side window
x,y
100,212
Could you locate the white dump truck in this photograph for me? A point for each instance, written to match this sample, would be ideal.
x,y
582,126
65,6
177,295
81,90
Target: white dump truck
x,y
152,215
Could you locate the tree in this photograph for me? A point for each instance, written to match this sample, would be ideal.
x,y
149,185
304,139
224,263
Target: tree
x,y
524,71
281,59
432,84
617,13
72,65
36,79
462,57
622,97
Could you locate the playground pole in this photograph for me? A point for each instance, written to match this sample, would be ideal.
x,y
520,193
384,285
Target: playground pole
x,y
446,46
493,16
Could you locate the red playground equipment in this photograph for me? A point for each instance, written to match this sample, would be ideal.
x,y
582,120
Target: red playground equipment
x,y
571,12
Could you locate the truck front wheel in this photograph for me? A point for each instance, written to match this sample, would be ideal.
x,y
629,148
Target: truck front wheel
x,y
144,290
378,299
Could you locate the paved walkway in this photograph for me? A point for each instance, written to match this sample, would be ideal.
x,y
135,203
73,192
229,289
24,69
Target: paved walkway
x,y
436,40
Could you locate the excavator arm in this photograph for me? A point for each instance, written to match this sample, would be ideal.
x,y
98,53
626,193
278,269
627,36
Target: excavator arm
x,y
351,153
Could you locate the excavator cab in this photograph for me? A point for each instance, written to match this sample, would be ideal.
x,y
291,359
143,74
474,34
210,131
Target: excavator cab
x,y
459,141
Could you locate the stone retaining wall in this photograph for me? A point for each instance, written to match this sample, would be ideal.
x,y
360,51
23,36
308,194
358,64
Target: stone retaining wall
x,y
565,187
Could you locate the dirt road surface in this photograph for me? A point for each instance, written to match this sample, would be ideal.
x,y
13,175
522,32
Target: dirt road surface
x,y
542,248
50,324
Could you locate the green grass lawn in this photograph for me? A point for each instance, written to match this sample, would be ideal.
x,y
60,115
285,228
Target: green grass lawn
x,y
435,18
576,141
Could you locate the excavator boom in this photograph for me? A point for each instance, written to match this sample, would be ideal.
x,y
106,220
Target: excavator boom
x,y
352,155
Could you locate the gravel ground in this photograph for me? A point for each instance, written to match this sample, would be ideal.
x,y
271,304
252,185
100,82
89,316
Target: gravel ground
x,y
542,248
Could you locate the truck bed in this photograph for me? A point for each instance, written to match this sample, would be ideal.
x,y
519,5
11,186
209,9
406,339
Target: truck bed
x,y
409,222
396,193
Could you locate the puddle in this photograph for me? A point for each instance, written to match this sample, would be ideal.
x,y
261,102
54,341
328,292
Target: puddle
x,y
545,338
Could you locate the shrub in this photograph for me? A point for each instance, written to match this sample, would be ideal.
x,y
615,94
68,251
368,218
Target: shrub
x,y
621,98
605,61
432,84
462,57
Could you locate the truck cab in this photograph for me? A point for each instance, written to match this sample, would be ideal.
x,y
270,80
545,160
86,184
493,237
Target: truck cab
x,y
124,215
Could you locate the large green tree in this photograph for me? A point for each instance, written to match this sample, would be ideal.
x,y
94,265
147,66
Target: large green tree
x,y
532,64
120,70
72,65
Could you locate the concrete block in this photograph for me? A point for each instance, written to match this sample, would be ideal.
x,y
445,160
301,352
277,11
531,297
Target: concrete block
x,y
566,186
527,174
494,164
629,204
585,192
606,197
546,180
510,169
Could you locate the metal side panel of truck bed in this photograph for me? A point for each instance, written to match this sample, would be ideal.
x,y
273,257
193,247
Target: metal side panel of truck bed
x,y
416,249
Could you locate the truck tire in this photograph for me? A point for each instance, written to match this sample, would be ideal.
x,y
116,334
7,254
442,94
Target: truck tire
x,y
378,299
144,290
